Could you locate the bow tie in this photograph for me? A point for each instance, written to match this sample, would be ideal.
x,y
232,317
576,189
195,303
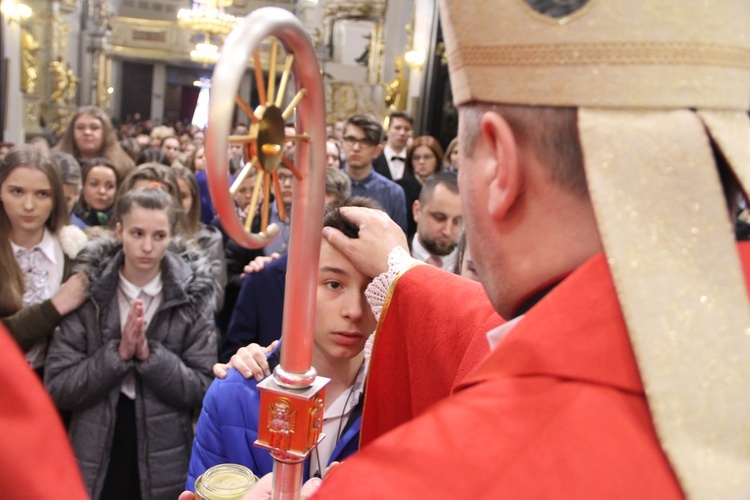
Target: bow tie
x,y
399,158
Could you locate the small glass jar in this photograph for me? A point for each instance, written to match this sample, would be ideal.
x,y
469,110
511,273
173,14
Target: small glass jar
x,y
224,482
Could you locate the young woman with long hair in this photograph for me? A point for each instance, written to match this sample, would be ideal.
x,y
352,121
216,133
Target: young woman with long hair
x,y
39,287
90,134
208,238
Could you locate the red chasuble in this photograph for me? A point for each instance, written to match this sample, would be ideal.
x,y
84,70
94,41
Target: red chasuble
x,y
36,460
556,410
430,335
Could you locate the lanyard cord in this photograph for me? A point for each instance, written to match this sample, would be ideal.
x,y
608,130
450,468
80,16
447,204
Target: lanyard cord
x,y
341,421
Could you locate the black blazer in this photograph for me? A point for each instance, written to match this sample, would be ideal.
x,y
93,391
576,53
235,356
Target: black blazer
x,y
380,165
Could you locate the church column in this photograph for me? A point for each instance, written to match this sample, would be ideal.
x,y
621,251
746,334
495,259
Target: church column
x,y
159,87
115,79
13,126
425,25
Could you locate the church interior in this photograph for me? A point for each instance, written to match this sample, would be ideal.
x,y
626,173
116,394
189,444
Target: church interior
x,y
150,60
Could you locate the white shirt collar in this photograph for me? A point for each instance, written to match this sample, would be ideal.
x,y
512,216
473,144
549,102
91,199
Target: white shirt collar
x,y
495,335
152,288
46,246
348,399
396,167
390,153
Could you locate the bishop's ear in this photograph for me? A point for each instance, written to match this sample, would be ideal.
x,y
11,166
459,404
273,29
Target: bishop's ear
x,y
503,170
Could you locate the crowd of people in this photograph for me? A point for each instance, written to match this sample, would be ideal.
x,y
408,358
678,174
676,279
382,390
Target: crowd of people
x,y
124,289
571,339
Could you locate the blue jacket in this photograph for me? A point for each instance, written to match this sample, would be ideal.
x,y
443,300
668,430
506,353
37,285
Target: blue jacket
x,y
228,427
207,206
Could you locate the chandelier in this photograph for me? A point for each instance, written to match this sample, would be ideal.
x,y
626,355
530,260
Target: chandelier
x,y
205,52
207,17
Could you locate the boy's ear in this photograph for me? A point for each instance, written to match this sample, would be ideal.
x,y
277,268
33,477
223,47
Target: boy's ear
x,y
118,231
503,169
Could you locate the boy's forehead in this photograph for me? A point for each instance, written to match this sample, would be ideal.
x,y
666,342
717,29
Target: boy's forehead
x,y
399,122
333,260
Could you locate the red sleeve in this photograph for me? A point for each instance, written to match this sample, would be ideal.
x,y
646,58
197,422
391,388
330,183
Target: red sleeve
x,y
430,335
36,460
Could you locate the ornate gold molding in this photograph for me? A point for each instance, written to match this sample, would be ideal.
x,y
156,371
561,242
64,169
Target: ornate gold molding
x,y
342,9
346,98
29,62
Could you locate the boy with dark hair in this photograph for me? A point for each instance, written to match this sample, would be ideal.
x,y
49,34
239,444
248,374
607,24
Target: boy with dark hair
x,y
227,427
362,134
391,162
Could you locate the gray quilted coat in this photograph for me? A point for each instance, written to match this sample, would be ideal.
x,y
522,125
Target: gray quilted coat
x,y
83,372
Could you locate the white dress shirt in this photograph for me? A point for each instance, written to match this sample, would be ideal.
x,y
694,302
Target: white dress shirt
x,y
395,166
335,418
43,273
151,296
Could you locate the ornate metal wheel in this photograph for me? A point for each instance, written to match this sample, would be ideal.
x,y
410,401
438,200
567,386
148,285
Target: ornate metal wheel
x,y
263,147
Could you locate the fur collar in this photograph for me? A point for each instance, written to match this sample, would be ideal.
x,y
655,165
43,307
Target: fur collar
x,y
72,240
188,275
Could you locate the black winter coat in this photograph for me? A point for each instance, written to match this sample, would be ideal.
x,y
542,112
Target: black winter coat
x,y
84,372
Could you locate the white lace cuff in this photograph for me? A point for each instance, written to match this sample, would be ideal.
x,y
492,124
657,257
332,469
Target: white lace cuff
x,y
399,261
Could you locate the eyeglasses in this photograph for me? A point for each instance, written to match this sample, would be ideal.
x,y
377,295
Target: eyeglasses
x,y
285,178
350,140
416,158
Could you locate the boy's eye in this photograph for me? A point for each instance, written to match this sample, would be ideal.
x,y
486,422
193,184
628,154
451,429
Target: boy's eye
x,y
333,285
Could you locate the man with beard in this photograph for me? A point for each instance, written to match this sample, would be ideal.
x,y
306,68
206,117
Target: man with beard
x,y
439,217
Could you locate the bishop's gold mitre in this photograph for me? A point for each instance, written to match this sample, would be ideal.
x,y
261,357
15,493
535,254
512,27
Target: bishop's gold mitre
x,y
660,87
647,54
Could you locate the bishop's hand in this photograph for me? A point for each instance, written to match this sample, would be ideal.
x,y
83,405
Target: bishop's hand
x,y
378,235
